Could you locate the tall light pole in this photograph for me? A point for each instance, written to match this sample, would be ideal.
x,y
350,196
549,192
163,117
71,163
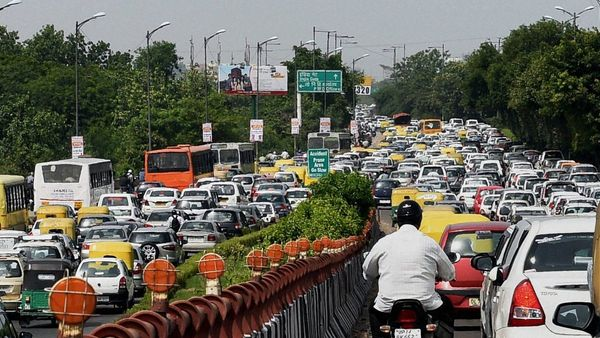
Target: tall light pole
x,y
78,26
206,40
258,47
353,90
149,101
574,15
11,3
325,73
298,95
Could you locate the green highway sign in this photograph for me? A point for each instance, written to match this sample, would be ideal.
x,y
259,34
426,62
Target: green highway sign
x,y
318,162
314,81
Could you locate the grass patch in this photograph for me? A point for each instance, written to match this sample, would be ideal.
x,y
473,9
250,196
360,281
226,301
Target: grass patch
x,y
508,133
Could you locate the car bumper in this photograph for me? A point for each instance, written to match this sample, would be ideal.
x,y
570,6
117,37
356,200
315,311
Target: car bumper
x,y
139,283
112,298
528,332
197,247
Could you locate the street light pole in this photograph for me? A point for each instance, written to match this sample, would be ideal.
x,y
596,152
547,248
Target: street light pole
x,y
258,47
11,3
574,14
149,101
206,40
78,26
325,74
353,90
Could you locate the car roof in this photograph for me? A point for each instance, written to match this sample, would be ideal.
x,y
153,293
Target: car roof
x,y
153,229
556,224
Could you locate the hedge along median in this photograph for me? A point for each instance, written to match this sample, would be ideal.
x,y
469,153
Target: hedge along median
x,y
338,208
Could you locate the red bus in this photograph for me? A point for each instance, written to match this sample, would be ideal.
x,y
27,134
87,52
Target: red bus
x,y
178,166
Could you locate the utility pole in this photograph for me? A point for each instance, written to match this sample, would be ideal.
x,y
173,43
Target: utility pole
x,y
192,52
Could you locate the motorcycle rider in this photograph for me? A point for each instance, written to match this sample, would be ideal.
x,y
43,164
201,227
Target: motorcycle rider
x,y
407,263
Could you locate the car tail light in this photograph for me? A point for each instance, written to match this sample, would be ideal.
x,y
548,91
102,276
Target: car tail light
x,y
123,283
407,319
147,225
525,309
174,203
137,269
146,202
85,246
211,238
238,226
170,247
180,237
283,206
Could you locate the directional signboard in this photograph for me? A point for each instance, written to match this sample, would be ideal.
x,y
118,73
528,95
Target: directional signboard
x,y
318,162
319,81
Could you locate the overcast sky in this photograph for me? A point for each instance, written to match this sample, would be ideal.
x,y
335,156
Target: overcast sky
x,y
461,25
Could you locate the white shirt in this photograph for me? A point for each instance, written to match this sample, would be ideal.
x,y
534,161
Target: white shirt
x,y
407,263
170,220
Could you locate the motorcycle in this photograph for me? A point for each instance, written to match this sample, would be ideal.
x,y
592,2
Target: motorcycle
x,y
409,319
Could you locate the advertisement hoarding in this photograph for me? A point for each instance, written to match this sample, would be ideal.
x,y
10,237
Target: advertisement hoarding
x,y
256,130
241,80
206,132
325,125
76,146
353,127
295,126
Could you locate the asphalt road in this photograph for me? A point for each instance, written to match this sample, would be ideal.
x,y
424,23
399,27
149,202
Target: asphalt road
x,y
464,328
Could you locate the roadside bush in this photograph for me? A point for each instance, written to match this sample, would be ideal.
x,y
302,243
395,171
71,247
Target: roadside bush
x,y
353,188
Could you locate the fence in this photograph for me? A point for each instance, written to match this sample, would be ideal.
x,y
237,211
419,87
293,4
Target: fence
x,y
318,296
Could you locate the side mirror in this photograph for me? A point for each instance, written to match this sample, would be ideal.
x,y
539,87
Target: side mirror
x,y
496,275
577,316
454,257
483,262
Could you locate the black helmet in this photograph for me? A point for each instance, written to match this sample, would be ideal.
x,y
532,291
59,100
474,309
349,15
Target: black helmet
x,y
174,212
409,212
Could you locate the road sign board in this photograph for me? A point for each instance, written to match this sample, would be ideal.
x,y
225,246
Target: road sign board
x,y
256,130
295,126
318,162
77,146
324,125
362,90
207,132
314,81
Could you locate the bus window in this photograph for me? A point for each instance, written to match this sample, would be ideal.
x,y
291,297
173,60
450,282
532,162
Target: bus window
x,y
61,173
332,143
167,162
315,143
229,156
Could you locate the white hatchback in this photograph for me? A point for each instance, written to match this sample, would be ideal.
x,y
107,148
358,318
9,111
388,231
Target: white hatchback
x,y
540,263
112,281
159,198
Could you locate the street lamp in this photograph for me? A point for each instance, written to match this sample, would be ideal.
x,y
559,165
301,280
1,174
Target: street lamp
x,y
353,90
334,51
325,74
148,36
258,47
574,15
11,3
309,42
78,26
206,40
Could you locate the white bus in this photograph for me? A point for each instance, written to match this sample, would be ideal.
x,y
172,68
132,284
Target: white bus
x,y
77,182
232,156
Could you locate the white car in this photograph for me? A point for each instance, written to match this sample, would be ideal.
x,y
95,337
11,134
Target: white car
x,y
112,281
129,213
267,209
230,193
118,200
467,195
246,180
297,196
156,198
540,263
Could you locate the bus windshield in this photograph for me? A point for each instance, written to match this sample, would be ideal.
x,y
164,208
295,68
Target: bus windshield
x,y
331,142
61,173
166,162
315,143
229,156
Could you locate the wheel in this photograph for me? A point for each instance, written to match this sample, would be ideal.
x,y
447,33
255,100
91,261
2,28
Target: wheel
x,y
149,251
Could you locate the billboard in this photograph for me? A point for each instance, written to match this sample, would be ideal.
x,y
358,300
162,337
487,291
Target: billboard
x,y
241,80
256,130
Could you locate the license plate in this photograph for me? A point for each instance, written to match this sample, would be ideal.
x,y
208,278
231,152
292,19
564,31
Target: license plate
x,y
102,299
474,302
385,201
195,239
160,203
7,243
407,333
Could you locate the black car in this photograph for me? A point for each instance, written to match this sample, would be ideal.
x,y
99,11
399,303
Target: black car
x,y
231,221
140,190
382,192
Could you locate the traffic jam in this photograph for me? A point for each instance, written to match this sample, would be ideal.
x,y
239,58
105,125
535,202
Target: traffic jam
x,y
519,222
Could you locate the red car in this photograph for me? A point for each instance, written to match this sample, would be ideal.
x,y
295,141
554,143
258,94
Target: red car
x,y
482,191
468,239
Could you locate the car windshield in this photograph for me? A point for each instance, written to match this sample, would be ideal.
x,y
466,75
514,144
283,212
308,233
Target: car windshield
x,y
153,237
92,221
61,173
386,185
97,234
531,213
243,179
224,189
469,189
471,243
285,177
400,174
115,201
560,252
271,187
159,216
580,210
162,193
196,226
167,162
98,269
220,216
272,198
433,171
297,194
585,178
10,269
529,198
39,252
195,193
192,204
265,208
120,212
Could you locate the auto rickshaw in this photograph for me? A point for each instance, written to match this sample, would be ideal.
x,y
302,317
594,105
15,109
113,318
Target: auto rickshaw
x,y
86,211
121,250
65,226
284,163
39,276
412,193
434,223
301,171
11,277
52,211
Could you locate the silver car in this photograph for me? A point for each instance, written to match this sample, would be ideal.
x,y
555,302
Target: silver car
x,y
157,242
103,233
199,235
